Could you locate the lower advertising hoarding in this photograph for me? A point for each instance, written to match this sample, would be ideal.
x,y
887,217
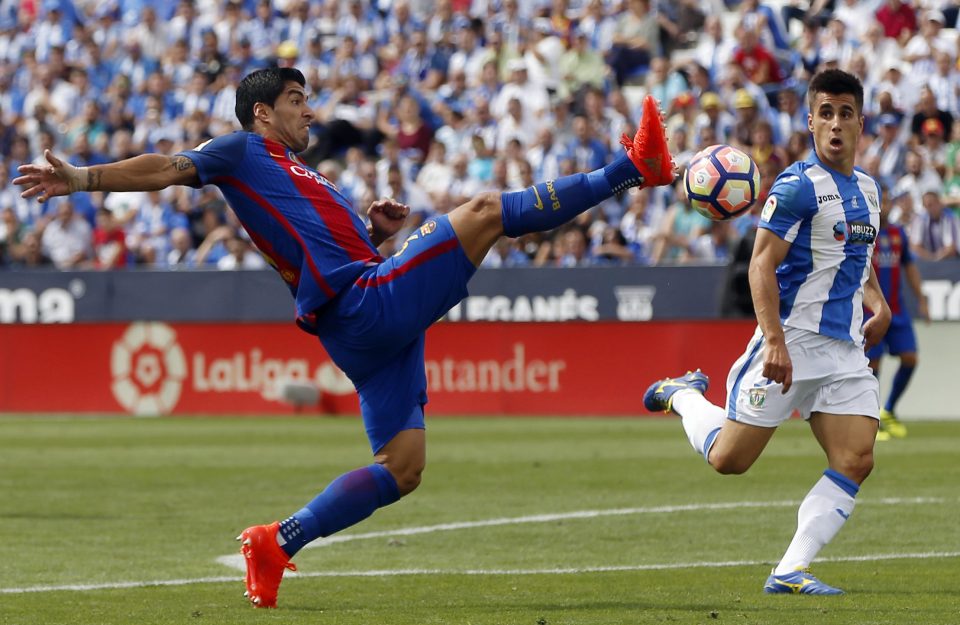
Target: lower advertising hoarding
x,y
157,368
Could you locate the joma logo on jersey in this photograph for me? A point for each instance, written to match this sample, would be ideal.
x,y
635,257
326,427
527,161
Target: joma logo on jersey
x,y
303,172
827,197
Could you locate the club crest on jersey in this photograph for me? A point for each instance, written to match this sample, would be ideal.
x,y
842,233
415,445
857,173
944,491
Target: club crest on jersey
x,y
757,397
428,228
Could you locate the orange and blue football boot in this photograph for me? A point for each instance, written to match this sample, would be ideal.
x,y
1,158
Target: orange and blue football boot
x,y
799,582
648,149
659,397
266,561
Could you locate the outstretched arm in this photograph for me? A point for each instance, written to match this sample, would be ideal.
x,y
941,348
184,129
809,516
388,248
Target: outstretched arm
x,y
769,250
147,172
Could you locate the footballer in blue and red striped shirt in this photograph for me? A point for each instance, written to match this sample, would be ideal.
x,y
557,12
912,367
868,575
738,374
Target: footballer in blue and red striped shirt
x,y
369,312
894,265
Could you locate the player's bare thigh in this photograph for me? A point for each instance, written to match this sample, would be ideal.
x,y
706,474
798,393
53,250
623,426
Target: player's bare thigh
x,y
738,445
478,224
848,442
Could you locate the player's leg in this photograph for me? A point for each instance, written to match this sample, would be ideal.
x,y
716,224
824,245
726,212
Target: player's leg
x,y
875,358
730,438
902,342
844,422
848,442
546,205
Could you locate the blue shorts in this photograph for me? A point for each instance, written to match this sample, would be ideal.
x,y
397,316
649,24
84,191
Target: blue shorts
x,y
900,338
374,329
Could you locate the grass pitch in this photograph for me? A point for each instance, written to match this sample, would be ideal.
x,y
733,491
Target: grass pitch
x,y
518,521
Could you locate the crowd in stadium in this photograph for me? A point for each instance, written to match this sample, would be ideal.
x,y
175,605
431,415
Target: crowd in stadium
x,y
431,101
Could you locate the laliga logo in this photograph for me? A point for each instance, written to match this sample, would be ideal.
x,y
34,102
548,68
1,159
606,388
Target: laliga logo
x,y
148,369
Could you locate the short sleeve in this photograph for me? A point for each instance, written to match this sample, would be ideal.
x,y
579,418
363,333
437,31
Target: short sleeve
x,y
218,157
786,206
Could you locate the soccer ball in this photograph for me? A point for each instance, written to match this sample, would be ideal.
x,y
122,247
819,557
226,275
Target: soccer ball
x,y
721,182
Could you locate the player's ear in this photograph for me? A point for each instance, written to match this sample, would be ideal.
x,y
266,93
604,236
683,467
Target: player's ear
x,y
261,112
810,122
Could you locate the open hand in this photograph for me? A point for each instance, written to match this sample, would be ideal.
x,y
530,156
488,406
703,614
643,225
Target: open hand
x,y
58,177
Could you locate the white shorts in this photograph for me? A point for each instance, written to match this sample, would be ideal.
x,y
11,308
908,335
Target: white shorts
x,y
829,375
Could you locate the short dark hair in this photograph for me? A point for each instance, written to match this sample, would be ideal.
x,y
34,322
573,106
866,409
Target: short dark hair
x,y
835,82
263,85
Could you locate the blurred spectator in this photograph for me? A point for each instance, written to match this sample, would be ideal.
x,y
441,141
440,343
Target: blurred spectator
x,y
747,118
790,116
587,152
534,97
613,248
923,46
936,233
636,40
918,179
240,255
681,226
927,109
886,156
760,66
12,232
408,129
573,250
581,66
68,238
505,252
716,118
663,82
932,146
346,119
181,254
714,50
898,19
33,255
109,242
714,246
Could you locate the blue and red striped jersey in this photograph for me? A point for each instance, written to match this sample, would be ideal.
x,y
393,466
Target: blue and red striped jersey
x,y
301,223
890,256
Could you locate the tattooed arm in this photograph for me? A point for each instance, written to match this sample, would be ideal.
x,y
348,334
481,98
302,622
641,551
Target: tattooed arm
x,y
147,172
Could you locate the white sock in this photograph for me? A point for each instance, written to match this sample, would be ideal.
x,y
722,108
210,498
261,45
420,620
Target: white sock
x,y
821,515
700,418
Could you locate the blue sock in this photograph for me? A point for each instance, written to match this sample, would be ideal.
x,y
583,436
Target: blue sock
x,y
900,380
547,205
349,499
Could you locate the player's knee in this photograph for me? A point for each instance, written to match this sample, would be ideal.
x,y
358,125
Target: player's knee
x,y
409,480
408,474
858,467
485,207
908,360
728,464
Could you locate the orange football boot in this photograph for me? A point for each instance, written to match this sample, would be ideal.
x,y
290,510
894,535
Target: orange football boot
x,y
648,150
266,561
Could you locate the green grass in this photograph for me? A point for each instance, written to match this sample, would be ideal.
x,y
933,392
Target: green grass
x,y
114,500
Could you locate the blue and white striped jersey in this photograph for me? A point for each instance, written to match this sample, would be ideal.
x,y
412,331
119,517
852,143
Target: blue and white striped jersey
x,y
831,221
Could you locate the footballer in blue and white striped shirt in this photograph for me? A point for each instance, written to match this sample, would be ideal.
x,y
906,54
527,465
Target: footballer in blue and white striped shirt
x,y
810,277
